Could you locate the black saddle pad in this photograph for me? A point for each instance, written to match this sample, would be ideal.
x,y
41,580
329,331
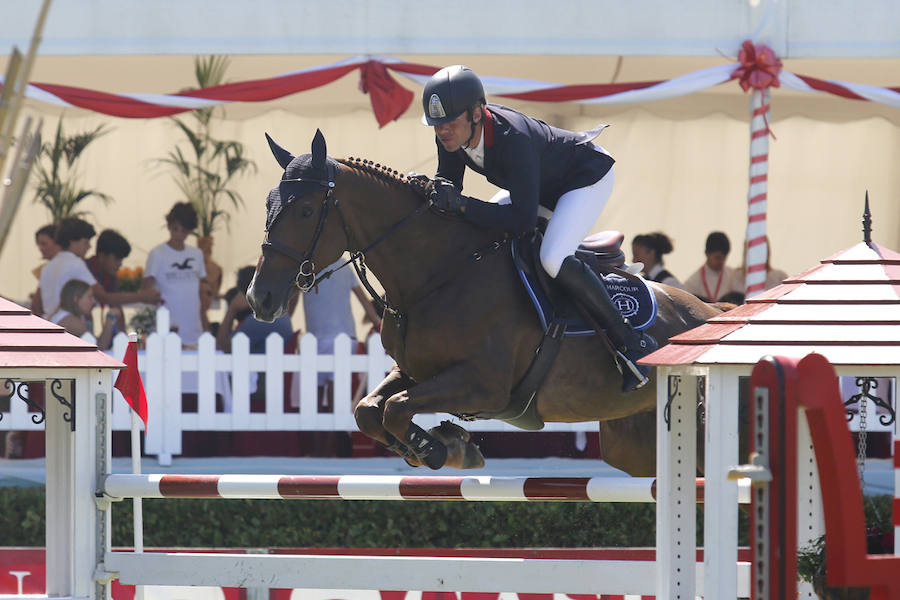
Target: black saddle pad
x,y
633,297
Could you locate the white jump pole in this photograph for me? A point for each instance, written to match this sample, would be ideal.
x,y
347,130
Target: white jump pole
x,y
389,487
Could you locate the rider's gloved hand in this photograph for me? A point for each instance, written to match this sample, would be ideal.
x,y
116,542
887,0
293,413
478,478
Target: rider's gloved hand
x,y
418,177
447,198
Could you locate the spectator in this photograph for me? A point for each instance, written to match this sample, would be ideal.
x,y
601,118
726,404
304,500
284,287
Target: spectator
x,y
74,237
328,314
239,318
45,238
75,304
649,249
176,270
112,249
714,278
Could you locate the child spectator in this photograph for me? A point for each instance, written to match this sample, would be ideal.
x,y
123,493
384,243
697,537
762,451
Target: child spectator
x,y
75,304
176,270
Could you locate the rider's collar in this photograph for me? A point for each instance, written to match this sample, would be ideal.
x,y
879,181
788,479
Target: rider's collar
x,y
488,128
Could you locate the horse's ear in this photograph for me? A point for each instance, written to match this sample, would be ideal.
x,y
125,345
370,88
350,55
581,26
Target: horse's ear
x,y
283,157
319,151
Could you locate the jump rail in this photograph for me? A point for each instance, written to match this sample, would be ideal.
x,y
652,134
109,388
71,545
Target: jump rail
x,y
381,487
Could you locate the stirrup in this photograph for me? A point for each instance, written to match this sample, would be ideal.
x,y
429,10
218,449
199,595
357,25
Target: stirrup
x,y
621,359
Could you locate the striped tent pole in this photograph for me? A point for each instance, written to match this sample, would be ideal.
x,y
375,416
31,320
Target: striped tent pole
x,y
757,246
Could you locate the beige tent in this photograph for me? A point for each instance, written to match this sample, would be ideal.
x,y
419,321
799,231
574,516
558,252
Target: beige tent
x,y
681,163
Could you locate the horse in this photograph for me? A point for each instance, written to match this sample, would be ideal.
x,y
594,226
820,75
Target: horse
x,y
457,319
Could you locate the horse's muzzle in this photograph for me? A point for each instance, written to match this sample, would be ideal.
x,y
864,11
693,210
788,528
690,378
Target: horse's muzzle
x,y
263,303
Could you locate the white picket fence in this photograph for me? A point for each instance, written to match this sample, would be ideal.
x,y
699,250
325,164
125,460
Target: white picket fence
x,y
168,371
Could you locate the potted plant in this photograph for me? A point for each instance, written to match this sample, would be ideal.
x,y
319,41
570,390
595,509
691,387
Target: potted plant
x,y
57,176
204,170
879,540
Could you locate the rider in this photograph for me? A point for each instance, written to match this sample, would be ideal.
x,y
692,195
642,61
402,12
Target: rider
x,y
538,167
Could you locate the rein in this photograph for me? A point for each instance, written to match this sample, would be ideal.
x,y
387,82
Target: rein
x,y
307,269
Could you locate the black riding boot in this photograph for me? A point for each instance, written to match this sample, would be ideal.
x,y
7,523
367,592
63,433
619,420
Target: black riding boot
x,y
586,288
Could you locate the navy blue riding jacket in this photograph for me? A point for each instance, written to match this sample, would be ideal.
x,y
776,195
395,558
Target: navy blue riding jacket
x,y
536,162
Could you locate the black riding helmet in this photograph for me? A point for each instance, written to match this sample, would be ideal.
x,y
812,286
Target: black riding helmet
x,y
449,93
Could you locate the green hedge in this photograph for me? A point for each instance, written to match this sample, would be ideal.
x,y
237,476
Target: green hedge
x,y
371,524
327,523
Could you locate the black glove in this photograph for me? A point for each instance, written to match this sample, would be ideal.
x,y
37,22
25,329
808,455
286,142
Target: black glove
x,y
418,177
447,198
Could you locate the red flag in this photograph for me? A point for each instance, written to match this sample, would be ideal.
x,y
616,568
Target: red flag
x,y
129,383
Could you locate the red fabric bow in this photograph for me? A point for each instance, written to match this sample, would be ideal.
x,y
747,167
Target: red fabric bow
x,y
389,98
759,68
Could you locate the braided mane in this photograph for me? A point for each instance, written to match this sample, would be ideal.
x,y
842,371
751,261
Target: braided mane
x,y
385,173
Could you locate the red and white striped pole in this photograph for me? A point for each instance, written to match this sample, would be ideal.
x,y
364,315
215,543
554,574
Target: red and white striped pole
x,y
757,197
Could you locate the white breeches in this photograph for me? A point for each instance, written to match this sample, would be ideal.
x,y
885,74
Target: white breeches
x,y
572,221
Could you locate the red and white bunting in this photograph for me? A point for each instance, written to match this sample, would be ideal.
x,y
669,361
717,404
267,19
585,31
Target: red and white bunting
x,y
390,99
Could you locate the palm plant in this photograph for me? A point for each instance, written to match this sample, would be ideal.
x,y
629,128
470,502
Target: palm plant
x,y
57,176
204,172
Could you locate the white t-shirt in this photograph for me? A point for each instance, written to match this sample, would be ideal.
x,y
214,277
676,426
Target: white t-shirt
x,y
328,311
61,269
178,274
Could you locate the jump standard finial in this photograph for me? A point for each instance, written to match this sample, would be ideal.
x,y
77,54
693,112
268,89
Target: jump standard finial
x,y
867,222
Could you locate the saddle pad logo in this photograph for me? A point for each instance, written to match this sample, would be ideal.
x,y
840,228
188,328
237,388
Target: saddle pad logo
x,y
627,304
435,108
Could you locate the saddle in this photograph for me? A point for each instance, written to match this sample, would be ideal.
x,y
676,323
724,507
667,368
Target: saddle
x,y
601,252
559,316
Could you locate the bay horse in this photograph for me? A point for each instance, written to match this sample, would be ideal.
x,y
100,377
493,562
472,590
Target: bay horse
x,y
458,321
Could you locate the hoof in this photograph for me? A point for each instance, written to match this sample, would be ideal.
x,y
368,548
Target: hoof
x,y
447,430
472,457
461,453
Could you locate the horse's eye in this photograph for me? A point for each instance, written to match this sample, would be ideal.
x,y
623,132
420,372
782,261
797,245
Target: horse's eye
x,y
307,211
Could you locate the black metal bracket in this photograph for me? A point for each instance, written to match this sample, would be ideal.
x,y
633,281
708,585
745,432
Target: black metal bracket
x,y
21,389
674,381
68,417
866,385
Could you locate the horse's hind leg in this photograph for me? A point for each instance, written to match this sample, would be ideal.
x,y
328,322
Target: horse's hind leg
x,y
369,412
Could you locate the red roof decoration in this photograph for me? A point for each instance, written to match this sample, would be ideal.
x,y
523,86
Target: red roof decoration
x,y
847,309
27,341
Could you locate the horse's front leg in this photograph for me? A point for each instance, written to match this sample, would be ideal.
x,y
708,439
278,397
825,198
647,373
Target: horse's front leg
x,y
455,390
369,412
